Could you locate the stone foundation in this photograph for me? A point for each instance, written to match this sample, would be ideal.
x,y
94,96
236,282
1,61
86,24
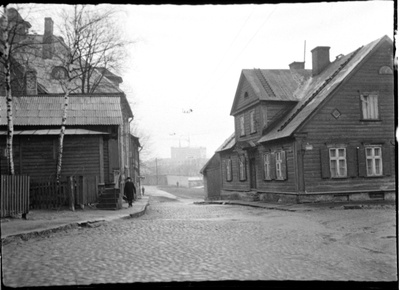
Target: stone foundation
x,y
306,198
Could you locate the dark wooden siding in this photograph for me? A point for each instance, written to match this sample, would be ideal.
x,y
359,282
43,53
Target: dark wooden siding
x,y
258,124
212,178
244,87
288,185
35,156
235,184
81,155
106,162
349,129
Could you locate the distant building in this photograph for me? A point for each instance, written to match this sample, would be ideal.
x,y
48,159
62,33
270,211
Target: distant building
x,y
184,153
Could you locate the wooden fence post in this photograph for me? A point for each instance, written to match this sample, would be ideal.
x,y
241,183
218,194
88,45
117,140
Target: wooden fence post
x,y
71,190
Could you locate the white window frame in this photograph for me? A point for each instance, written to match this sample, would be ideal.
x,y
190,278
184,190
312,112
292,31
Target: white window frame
x,y
374,162
241,125
369,106
252,121
337,162
267,166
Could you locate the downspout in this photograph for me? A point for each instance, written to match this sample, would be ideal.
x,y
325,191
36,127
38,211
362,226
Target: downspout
x,y
127,132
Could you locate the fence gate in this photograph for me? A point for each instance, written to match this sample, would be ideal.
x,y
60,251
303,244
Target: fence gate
x,y
74,190
48,194
14,191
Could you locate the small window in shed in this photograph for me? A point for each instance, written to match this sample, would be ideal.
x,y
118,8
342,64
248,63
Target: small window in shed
x,y
385,70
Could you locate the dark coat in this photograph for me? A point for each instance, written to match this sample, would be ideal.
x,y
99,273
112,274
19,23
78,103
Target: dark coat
x,y
129,190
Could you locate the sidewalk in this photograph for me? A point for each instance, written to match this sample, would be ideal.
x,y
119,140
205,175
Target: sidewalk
x,y
47,221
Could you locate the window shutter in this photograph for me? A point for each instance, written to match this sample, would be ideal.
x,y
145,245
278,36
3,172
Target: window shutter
x,y
362,166
325,168
268,156
387,160
351,161
244,168
283,164
273,166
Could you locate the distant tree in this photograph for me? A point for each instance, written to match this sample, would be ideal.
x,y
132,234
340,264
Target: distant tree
x,y
98,43
145,143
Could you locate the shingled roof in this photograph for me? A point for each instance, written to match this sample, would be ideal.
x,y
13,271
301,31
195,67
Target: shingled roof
x,y
318,88
273,85
47,110
228,143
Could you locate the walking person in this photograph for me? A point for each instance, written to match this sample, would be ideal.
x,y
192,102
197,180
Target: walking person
x,y
143,190
129,191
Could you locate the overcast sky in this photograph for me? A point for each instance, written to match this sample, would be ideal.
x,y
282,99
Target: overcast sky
x,y
190,58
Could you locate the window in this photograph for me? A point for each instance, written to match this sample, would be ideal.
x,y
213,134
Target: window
x,y
252,122
373,156
369,106
337,162
229,169
242,168
275,166
241,121
280,165
385,70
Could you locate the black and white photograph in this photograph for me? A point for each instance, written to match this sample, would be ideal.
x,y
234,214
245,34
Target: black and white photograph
x,y
203,144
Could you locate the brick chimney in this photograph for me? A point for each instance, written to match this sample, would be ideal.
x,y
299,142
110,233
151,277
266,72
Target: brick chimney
x,y
320,59
296,65
48,45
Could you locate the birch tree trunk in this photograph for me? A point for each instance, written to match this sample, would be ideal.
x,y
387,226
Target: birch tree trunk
x,y
9,97
61,137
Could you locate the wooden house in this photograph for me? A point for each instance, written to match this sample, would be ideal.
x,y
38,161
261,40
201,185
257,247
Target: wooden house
x,y
94,132
315,135
97,140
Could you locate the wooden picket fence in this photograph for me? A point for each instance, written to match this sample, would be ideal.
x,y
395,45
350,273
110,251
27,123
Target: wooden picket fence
x,y
72,190
14,192
48,194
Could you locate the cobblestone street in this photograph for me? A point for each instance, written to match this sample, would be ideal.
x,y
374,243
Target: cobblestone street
x,y
177,240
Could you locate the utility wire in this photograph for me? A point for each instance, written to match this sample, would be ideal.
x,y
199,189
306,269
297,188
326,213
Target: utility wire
x,y
244,48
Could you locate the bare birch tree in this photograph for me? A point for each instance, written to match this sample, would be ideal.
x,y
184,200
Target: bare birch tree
x,y
93,47
12,40
5,55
